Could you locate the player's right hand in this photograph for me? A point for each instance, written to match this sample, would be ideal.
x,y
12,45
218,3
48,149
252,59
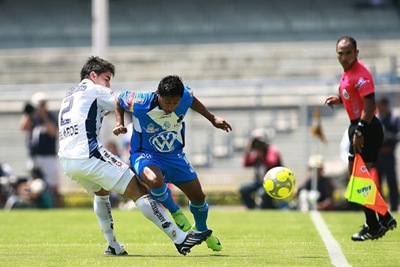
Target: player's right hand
x,y
332,100
120,129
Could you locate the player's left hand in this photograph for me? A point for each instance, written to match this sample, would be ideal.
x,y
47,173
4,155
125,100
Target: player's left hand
x,y
220,123
358,143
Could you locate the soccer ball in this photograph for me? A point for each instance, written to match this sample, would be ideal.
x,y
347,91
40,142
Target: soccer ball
x,y
279,182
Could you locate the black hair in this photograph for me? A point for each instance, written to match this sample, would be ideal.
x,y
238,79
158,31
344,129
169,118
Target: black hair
x,y
349,39
171,85
98,65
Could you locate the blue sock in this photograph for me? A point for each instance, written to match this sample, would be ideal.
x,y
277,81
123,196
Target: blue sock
x,y
200,214
163,195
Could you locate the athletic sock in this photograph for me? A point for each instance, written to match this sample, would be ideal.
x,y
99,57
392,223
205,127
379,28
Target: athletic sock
x,y
155,213
371,219
102,209
200,214
164,196
385,218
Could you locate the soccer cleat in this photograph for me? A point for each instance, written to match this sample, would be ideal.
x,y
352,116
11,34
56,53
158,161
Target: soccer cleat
x,y
110,251
181,221
366,233
391,224
192,239
212,242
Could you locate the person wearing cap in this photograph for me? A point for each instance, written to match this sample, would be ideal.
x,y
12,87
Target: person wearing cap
x,y
386,163
323,196
262,156
41,126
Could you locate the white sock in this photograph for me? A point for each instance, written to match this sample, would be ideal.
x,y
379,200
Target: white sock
x,y
155,213
102,209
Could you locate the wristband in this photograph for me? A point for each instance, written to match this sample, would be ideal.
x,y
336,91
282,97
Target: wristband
x,y
361,126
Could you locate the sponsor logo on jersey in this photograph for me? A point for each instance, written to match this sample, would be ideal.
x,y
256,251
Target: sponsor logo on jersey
x,y
361,82
164,141
129,97
163,116
68,132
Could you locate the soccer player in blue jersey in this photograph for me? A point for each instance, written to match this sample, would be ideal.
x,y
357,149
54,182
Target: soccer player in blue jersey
x,y
157,143
86,161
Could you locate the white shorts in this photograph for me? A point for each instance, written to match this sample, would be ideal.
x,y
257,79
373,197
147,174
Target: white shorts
x,y
94,174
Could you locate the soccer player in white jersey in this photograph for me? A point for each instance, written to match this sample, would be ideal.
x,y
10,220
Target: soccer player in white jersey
x,y
157,143
86,161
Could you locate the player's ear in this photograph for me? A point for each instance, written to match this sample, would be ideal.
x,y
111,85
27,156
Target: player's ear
x,y
92,75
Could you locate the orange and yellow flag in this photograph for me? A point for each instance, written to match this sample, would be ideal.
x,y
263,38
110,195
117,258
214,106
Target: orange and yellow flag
x,y
362,188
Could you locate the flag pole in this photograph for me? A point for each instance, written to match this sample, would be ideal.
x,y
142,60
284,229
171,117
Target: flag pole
x,y
316,131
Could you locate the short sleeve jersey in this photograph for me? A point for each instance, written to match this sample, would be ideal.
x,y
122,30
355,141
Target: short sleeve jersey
x,y
80,119
40,142
356,83
154,131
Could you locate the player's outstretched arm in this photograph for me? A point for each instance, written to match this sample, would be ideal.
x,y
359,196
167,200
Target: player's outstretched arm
x,y
119,117
333,100
218,122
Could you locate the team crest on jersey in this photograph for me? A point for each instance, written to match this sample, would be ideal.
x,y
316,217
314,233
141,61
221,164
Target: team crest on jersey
x,y
361,82
345,94
151,129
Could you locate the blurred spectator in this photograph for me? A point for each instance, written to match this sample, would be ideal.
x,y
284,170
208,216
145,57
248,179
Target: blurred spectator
x,y
323,196
41,126
28,194
6,180
263,156
386,163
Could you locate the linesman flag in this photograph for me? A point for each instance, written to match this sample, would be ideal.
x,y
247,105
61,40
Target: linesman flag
x,y
362,188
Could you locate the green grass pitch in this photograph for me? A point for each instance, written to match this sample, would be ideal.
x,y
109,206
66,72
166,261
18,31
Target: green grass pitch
x,y
72,237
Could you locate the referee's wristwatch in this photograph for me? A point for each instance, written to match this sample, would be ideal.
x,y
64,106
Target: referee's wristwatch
x,y
358,133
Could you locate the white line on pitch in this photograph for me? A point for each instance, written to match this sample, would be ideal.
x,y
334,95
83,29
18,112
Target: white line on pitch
x,y
335,253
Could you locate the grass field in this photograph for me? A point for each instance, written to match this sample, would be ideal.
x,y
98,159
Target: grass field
x,y
71,237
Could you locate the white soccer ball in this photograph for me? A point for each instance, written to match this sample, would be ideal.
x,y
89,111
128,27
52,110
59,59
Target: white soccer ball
x,y
279,182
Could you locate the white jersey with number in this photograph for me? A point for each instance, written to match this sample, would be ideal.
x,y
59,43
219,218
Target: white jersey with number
x,y
80,119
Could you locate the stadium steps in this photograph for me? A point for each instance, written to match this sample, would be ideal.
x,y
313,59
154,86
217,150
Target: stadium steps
x,y
195,62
